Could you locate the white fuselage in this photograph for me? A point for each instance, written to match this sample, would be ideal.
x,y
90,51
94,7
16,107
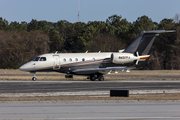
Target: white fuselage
x,y
67,62
56,61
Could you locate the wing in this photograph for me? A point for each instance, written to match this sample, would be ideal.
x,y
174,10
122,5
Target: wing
x,y
100,70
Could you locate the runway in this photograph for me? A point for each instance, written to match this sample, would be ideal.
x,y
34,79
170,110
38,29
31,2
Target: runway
x,y
91,110
16,86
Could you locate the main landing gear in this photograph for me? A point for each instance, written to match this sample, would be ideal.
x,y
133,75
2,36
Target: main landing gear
x,y
34,76
94,77
69,76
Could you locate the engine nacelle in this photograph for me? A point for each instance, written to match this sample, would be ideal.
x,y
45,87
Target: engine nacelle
x,y
122,58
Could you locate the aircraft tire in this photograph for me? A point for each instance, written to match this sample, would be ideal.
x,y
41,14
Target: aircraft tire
x,y
101,78
34,79
93,78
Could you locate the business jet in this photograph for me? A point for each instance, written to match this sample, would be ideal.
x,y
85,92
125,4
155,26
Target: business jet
x,y
95,65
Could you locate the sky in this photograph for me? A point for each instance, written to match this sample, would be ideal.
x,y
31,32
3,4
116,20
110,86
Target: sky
x,y
90,10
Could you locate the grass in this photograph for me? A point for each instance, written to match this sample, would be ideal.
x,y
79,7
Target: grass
x,y
6,74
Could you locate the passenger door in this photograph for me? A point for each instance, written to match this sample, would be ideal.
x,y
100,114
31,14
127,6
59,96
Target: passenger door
x,y
56,65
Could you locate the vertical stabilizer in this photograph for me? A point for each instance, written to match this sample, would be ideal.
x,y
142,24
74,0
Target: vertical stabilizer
x,y
142,44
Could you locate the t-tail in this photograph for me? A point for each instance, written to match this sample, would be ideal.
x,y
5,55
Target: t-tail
x,y
141,46
143,43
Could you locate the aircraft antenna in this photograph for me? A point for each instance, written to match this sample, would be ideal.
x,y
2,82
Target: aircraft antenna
x,y
78,9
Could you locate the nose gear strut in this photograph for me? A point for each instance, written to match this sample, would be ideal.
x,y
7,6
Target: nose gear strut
x,y
34,76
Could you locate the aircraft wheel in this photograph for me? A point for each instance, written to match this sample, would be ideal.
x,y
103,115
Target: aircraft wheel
x,y
34,79
101,78
92,78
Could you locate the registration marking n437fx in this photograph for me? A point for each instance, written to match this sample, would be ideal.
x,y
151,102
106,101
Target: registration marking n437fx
x,y
124,57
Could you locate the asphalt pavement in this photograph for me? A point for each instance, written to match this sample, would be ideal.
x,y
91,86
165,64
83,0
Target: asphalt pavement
x,y
16,86
90,110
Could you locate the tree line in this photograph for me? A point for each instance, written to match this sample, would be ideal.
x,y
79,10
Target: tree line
x,y
21,42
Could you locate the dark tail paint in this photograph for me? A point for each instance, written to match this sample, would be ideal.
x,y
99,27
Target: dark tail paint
x,y
143,43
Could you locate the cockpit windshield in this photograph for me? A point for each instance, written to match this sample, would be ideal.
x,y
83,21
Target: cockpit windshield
x,y
36,59
39,59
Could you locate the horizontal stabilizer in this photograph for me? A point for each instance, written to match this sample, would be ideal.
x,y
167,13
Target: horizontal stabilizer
x,y
156,31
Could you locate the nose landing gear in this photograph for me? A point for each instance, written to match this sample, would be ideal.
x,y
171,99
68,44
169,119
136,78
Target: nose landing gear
x,y
34,76
34,79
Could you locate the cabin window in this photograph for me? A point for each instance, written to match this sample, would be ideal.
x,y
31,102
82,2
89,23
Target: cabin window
x,y
83,59
42,59
64,60
36,59
70,59
76,59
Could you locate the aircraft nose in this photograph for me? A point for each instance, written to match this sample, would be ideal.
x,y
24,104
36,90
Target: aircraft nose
x,y
27,67
22,68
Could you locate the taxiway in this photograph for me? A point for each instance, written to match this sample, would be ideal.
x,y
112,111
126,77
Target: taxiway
x,y
17,86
